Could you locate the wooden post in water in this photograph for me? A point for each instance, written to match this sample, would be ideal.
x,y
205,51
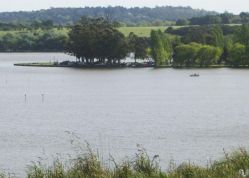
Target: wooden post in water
x,y
43,97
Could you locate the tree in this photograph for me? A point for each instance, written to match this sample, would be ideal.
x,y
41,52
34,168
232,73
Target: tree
x,y
237,55
242,37
208,55
9,42
182,22
206,20
244,17
185,55
47,24
228,45
161,48
218,37
139,46
226,18
210,35
111,45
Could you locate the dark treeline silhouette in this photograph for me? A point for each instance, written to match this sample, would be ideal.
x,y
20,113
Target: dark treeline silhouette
x,y
43,24
224,18
129,16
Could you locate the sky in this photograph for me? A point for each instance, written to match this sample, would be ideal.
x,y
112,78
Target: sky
x,y
216,5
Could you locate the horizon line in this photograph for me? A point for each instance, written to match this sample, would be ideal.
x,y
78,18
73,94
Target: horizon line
x,y
106,6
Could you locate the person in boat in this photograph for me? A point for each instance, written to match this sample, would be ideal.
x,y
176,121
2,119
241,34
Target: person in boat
x,y
195,75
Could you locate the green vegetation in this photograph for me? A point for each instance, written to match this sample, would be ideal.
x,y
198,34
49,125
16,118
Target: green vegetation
x,y
97,41
33,40
225,18
140,31
88,165
186,54
237,55
196,55
140,46
208,55
161,48
212,45
158,16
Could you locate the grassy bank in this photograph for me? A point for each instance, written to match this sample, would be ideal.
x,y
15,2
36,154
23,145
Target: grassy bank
x,y
234,165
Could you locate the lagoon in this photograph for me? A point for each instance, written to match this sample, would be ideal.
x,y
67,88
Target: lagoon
x,y
49,112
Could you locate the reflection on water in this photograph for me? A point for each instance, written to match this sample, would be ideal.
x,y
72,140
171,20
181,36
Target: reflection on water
x,y
165,110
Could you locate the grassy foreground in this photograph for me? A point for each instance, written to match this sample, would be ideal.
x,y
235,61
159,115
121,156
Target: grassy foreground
x,y
234,165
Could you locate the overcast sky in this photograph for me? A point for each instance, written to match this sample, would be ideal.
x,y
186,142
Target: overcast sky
x,y
234,6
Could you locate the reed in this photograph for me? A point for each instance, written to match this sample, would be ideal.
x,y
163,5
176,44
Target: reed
x,y
88,165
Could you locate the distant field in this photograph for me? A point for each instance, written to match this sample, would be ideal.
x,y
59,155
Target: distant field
x,y
143,31
139,31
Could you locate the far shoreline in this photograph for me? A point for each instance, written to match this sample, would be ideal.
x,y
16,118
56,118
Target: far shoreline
x,y
119,66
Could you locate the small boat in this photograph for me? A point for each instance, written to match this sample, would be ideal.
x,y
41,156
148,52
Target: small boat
x,y
194,75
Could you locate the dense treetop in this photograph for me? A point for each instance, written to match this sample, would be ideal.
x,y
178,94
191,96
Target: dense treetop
x,y
97,41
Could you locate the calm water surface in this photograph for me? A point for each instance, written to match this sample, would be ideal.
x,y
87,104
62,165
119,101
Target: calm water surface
x,y
165,110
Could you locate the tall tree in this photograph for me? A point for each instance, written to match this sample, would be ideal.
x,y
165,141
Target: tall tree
x,y
218,37
242,37
139,46
185,55
161,48
208,55
237,55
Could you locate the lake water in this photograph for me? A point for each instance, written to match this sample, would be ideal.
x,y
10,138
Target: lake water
x,y
164,110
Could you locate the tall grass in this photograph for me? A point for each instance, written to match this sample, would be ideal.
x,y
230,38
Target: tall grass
x,y
235,165
88,165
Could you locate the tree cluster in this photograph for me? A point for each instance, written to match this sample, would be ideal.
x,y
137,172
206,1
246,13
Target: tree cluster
x,y
47,41
96,40
195,54
207,45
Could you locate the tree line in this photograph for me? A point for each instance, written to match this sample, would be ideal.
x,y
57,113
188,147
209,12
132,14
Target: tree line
x,y
36,24
207,45
97,41
31,41
127,16
224,18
